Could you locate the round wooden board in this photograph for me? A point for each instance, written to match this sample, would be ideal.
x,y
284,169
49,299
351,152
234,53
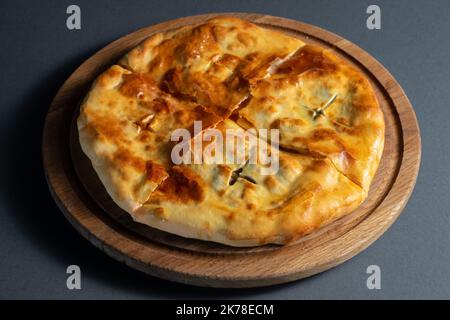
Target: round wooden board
x,y
86,205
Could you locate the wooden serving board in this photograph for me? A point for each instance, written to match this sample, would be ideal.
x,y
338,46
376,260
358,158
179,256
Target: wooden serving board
x,y
84,201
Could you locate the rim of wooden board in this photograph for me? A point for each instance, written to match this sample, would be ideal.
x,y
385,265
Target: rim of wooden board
x,y
400,168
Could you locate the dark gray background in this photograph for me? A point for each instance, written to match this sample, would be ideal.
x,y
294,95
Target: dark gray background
x,y
38,53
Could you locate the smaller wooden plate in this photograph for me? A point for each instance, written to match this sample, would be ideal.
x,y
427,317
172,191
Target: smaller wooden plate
x,y
84,201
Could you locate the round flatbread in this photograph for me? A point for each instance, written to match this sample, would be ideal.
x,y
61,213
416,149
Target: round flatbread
x,y
227,75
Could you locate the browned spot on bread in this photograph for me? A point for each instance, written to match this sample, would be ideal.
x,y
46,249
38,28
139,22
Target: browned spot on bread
x,y
161,105
155,172
144,136
231,216
160,139
112,103
303,149
265,100
278,123
318,165
182,185
201,113
104,126
202,40
207,118
343,121
137,84
125,158
182,116
270,182
324,134
224,170
229,61
157,105
172,83
308,57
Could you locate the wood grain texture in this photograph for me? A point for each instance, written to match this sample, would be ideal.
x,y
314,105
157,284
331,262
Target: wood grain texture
x,y
87,206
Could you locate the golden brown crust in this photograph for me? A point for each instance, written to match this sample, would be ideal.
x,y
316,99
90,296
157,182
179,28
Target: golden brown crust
x,y
231,74
211,63
350,131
